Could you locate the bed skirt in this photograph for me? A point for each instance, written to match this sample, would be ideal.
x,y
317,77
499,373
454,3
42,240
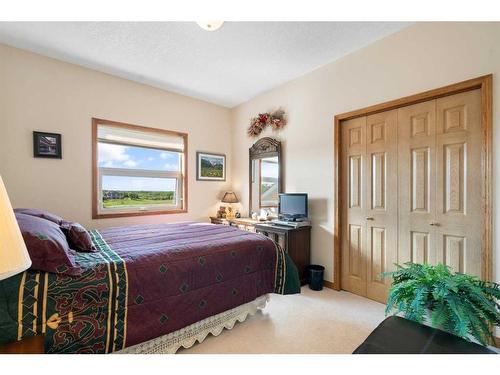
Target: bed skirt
x,y
187,336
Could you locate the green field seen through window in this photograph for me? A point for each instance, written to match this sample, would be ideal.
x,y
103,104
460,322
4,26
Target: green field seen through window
x,y
117,198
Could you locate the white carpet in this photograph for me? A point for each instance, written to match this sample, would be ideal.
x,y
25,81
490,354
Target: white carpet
x,y
311,322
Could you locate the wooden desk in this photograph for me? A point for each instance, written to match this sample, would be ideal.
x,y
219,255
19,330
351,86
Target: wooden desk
x,y
295,241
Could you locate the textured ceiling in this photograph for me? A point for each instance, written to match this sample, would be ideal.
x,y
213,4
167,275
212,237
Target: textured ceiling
x,y
227,67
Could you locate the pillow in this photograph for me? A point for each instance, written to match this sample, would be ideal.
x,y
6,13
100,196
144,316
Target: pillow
x,y
78,237
47,245
39,213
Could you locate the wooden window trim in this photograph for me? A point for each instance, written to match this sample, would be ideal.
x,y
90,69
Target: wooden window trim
x,y
483,83
95,177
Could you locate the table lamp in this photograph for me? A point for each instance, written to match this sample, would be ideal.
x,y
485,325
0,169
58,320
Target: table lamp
x,y
230,197
14,257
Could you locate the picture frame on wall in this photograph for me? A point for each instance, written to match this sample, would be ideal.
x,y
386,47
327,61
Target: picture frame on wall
x,y
210,166
47,145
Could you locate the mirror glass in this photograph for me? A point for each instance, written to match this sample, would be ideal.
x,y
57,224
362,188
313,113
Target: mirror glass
x,y
265,184
265,178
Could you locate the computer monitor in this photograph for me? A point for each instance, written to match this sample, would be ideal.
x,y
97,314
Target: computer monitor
x,y
293,206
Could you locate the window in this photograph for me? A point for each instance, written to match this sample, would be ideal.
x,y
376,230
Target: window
x,y
137,170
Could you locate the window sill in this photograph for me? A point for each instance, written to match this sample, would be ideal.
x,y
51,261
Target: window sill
x,y
141,213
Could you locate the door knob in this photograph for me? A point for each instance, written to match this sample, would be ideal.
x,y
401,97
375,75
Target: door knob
x,y
370,218
434,223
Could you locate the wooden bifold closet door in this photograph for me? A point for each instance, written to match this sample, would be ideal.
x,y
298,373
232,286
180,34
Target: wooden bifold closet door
x,y
411,191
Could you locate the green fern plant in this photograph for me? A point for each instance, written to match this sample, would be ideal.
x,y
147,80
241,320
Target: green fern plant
x,y
454,302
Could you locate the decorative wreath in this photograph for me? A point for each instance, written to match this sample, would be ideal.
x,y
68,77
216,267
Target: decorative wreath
x,y
276,120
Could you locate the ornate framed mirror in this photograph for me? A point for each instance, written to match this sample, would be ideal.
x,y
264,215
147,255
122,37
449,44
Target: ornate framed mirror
x,y
265,179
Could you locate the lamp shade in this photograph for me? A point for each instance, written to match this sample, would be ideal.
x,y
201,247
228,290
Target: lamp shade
x,y
230,197
14,257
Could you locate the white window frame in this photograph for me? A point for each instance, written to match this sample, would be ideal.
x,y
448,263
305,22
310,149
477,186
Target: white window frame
x,y
102,171
180,204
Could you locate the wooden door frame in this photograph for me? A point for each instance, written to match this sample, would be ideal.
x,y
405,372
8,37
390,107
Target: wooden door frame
x,y
483,83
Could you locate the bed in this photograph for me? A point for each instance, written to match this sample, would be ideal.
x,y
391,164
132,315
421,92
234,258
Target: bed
x,y
149,288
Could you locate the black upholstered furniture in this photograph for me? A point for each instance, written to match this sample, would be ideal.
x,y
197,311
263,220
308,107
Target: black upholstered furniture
x,y
396,335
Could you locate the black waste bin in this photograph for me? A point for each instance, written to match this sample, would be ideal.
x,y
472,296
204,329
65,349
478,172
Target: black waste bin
x,y
315,276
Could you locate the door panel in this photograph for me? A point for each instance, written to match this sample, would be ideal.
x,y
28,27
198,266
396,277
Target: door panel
x,y
381,210
453,176
420,189
356,263
355,163
458,169
416,182
454,253
419,247
378,181
353,208
377,254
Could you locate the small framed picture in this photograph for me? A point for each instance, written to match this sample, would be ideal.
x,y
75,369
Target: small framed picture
x,y
47,145
210,167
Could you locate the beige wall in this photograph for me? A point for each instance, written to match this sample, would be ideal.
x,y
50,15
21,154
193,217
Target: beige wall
x,y
419,58
39,93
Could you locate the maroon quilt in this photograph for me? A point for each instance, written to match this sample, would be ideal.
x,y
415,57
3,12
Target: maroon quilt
x,y
143,282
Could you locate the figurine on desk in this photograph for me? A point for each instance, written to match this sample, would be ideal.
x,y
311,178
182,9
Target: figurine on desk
x,y
265,214
221,214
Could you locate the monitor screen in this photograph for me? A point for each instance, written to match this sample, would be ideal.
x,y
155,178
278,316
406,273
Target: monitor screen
x,y
293,205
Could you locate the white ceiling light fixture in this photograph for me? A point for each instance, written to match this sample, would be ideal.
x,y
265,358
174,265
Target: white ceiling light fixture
x,y
210,25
